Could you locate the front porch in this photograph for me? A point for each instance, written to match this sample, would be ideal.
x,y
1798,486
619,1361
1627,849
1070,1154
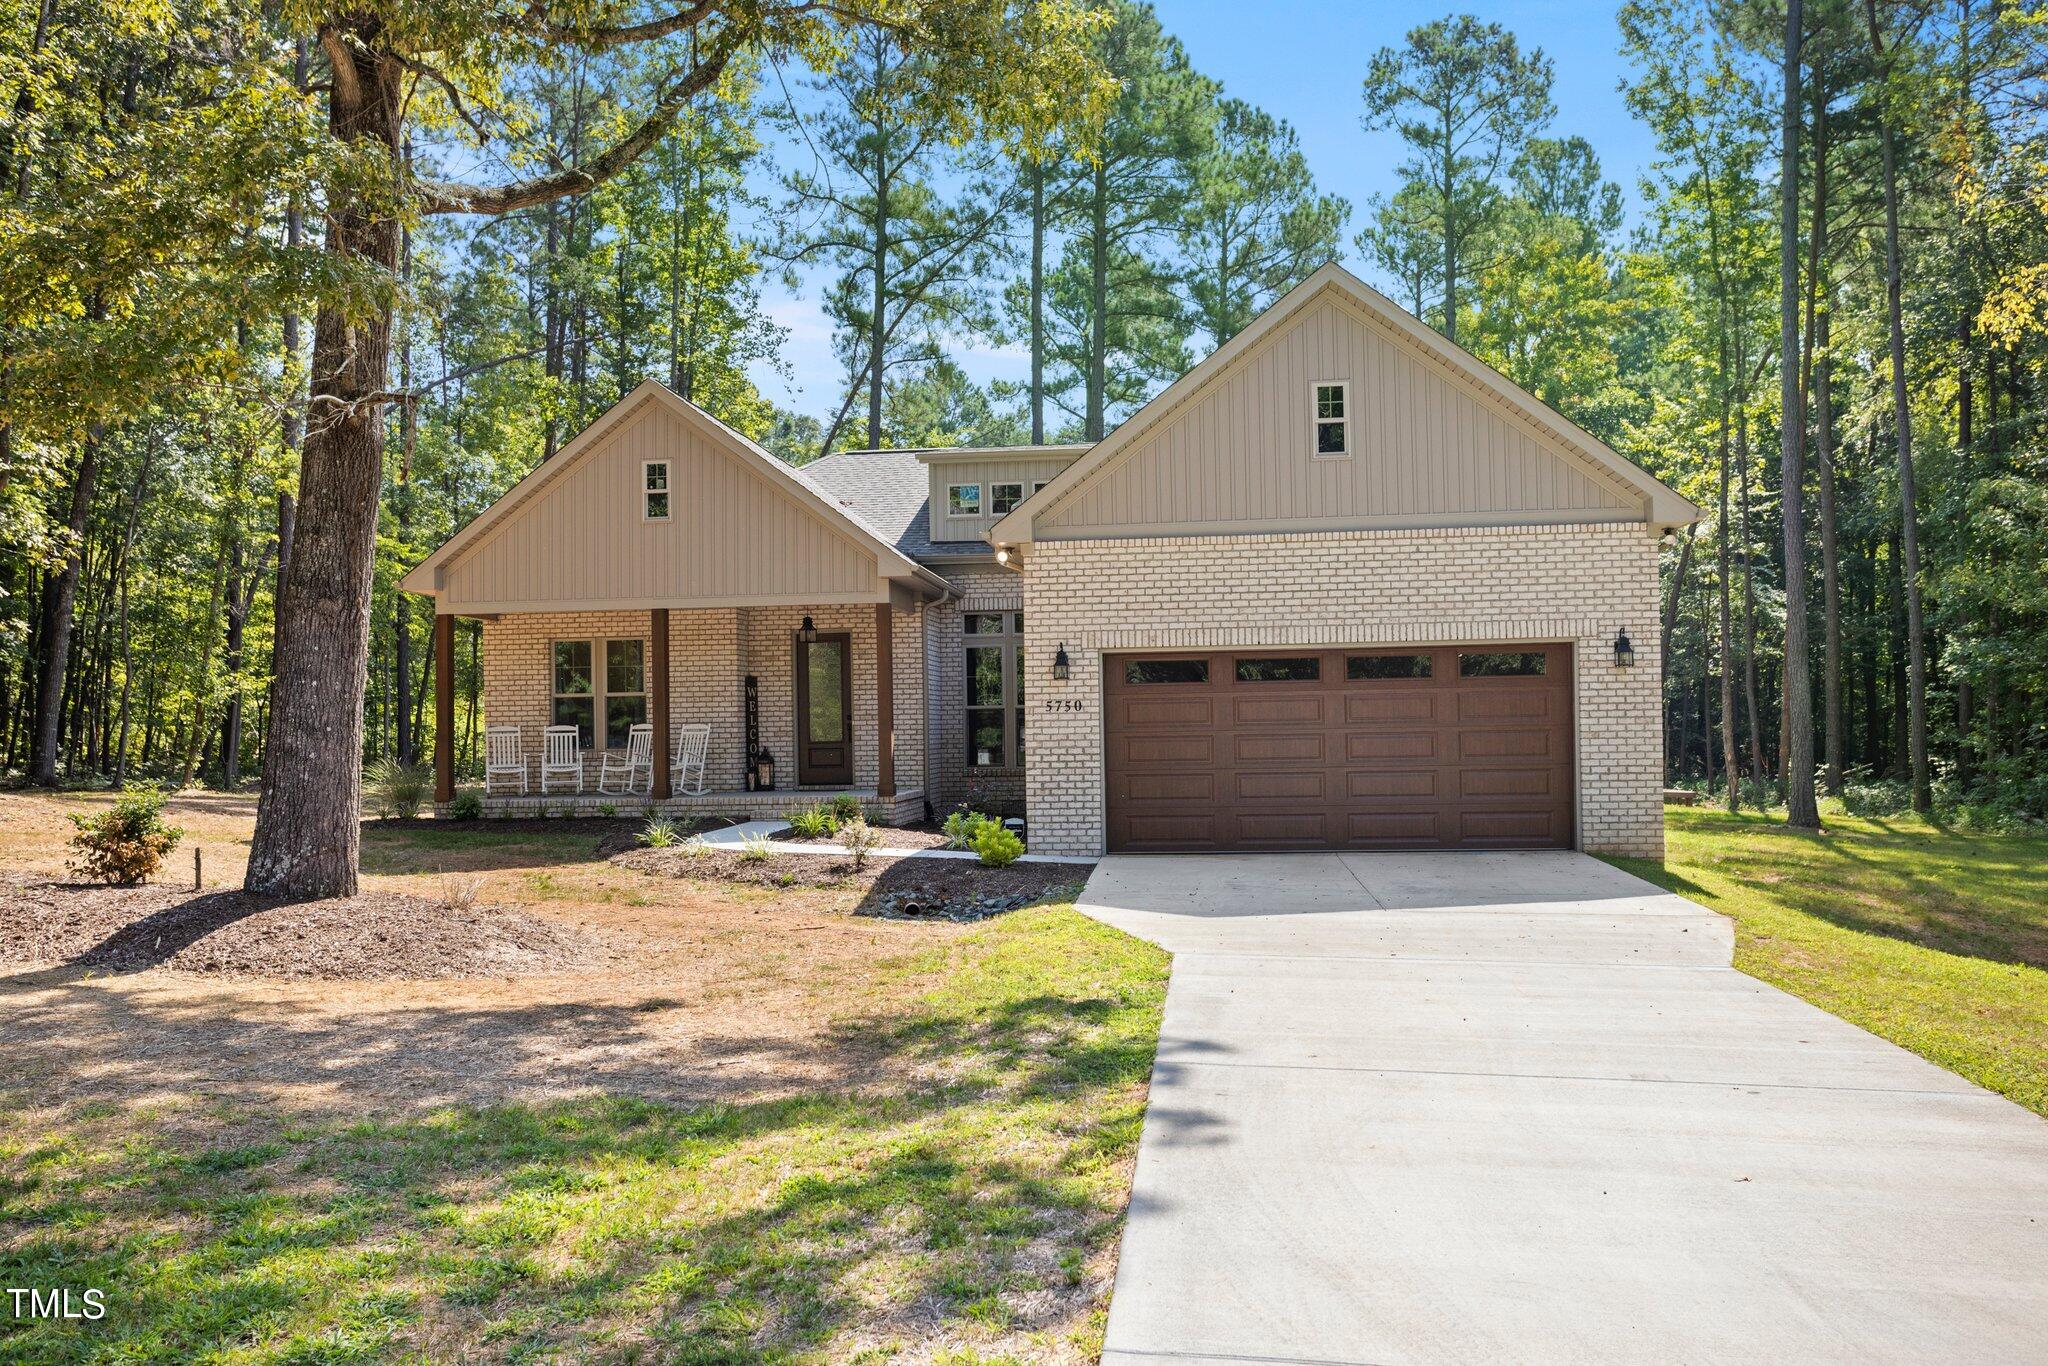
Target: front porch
x,y
900,808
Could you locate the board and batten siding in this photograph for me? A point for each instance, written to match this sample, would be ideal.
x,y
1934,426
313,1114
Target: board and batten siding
x,y
1429,448
1035,470
732,536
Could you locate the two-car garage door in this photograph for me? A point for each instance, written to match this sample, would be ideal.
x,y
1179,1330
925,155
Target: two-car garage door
x,y
1422,748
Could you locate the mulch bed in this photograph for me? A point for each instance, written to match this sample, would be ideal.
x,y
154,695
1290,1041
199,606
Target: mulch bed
x,y
921,836
374,935
891,888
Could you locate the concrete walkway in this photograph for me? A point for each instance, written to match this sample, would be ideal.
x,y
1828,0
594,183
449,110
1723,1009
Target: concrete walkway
x,y
736,836
1519,1108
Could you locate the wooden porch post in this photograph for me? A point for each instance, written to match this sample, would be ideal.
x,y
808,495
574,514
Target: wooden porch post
x,y
444,707
885,703
657,696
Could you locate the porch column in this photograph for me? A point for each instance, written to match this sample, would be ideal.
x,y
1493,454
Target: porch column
x,y
444,707
885,703
657,697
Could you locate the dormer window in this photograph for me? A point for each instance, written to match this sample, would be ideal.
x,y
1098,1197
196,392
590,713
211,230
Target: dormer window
x,y
1333,419
1003,498
654,490
963,500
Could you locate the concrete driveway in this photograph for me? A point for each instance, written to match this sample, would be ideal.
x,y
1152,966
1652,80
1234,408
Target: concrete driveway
x,y
1519,1108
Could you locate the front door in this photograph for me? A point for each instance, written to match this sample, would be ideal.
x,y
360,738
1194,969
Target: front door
x,y
824,711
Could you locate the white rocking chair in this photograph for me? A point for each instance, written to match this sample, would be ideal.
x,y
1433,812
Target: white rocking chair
x,y
691,744
502,757
626,768
561,757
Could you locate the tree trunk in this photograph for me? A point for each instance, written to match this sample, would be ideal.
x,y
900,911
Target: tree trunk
x,y
1676,756
1037,302
60,597
1731,759
1902,426
307,831
1756,730
1830,554
1801,811
1098,309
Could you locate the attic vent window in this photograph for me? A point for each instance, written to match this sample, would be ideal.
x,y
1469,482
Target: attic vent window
x,y
1333,420
654,487
1003,498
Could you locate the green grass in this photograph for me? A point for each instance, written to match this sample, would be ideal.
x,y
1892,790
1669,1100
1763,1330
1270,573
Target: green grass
x,y
1934,939
979,1164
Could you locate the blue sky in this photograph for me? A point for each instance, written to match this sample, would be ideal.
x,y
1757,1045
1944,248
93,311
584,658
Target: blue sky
x,y
1302,60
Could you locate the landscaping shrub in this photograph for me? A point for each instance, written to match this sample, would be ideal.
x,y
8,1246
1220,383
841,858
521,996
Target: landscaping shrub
x,y
468,807
401,789
859,839
962,826
997,846
754,849
1877,797
125,843
813,822
660,833
846,809
607,809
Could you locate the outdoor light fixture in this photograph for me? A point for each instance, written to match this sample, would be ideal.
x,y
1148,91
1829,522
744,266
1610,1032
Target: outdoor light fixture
x,y
1624,653
808,632
1061,666
1003,556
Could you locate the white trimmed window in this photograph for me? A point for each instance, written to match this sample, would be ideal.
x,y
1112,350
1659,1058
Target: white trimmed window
x,y
586,696
1003,498
1039,484
963,500
654,490
1332,402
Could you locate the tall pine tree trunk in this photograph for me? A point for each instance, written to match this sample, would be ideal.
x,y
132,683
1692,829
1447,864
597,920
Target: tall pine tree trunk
x,y
60,599
307,828
1731,759
1801,810
1037,302
1098,308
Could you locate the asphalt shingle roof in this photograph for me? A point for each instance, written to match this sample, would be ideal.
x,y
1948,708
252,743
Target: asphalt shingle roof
x,y
888,490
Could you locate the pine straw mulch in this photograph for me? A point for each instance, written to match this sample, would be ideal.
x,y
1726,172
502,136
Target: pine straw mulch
x,y
370,936
894,888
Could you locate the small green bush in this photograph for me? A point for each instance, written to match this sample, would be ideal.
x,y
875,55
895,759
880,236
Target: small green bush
x,y
962,826
1877,797
859,839
608,809
998,847
754,849
844,809
125,843
468,807
401,789
813,822
660,833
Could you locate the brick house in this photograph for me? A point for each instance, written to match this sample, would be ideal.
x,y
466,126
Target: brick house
x,y
1340,586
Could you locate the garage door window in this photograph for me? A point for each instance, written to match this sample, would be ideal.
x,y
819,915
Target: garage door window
x,y
1504,664
1167,671
1368,667
1285,669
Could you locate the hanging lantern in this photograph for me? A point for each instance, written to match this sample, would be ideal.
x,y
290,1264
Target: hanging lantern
x,y
1624,652
808,632
1061,665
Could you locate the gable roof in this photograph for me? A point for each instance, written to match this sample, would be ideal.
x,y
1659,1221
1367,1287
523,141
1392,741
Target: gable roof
x,y
891,491
890,562
1661,505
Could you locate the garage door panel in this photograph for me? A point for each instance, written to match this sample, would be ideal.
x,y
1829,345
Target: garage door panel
x,y
1420,744
1270,749
1167,711
1297,710
1254,787
1345,759
1365,708
1142,750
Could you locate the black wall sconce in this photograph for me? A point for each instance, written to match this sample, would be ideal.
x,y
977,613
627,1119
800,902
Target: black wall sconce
x,y
1624,652
1061,665
808,632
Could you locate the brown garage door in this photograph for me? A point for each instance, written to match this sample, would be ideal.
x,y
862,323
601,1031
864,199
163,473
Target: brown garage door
x,y
1428,748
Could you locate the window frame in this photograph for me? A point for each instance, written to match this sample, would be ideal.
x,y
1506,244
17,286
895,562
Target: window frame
x,y
952,505
995,497
648,492
1317,421
1008,645
1038,486
600,695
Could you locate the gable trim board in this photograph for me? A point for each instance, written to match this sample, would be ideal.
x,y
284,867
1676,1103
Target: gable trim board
x,y
1642,497
891,566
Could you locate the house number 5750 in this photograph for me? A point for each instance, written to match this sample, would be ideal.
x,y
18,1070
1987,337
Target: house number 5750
x,y
1063,704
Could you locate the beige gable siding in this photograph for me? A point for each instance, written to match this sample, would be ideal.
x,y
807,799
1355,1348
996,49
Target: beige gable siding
x,y
582,541
1429,449
984,473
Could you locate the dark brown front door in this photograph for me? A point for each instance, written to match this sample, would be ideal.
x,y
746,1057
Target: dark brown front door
x,y
1382,748
824,711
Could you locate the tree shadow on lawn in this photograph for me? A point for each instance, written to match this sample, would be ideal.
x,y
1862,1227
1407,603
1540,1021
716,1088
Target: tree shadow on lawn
x,y
424,846
1958,894
947,1177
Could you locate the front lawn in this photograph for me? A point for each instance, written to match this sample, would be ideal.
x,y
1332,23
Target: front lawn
x,y
764,1130
1933,939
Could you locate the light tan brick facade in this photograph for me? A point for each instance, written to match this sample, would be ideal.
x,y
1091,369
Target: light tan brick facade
x,y
1577,583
